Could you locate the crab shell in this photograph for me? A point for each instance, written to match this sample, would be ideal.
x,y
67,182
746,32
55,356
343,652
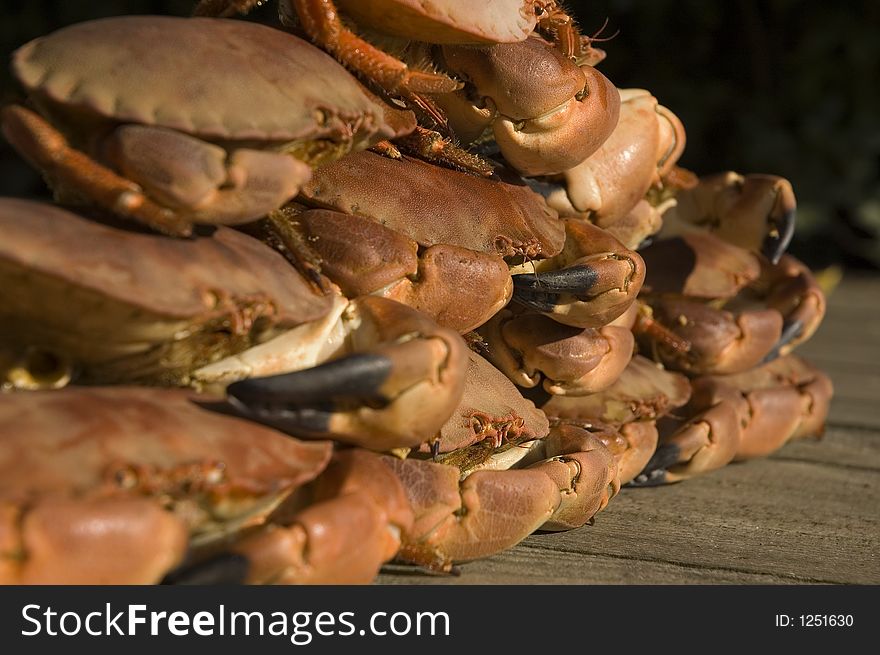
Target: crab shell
x,y
119,89
125,306
491,409
111,485
447,21
499,216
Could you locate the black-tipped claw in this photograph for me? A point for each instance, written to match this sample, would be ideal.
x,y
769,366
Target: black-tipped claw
x,y
655,471
303,402
356,377
791,330
540,291
225,569
776,242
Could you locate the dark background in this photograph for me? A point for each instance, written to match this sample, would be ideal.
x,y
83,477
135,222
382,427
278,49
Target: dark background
x,y
776,86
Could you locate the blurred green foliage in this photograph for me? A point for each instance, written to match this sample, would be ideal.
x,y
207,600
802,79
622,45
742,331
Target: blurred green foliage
x,y
789,87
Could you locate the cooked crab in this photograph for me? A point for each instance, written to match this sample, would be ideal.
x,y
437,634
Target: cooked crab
x,y
729,308
209,311
119,119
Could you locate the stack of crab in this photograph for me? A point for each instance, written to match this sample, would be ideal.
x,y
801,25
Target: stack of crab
x,y
304,305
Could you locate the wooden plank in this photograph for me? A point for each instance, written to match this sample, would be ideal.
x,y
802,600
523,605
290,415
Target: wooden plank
x,y
853,288
840,446
530,564
768,520
857,413
845,349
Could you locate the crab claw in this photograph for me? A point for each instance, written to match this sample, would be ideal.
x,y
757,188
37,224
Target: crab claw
x,y
590,283
488,512
708,441
362,256
698,265
768,317
783,400
720,341
585,471
754,212
572,361
540,128
631,444
398,386
353,525
742,416
637,228
793,291
640,152
569,477
644,392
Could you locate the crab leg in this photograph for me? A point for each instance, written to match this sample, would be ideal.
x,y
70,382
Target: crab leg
x,y
178,170
320,19
47,149
565,35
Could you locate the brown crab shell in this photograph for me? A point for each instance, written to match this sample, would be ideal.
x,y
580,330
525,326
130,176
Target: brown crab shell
x,y
434,205
446,21
213,78
109,485
74,442
81,287
491,408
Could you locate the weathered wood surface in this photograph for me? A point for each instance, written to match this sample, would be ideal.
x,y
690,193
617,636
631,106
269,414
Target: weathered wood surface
x,y
808,514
